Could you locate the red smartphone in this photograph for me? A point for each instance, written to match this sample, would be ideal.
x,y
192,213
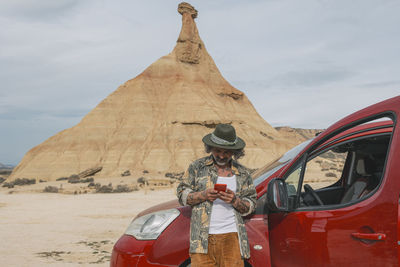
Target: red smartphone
x,y
220,187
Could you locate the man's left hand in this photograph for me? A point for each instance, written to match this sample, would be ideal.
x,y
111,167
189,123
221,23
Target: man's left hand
x,y
228,196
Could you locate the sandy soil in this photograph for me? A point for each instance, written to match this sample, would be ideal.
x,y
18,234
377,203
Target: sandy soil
x,y
67,229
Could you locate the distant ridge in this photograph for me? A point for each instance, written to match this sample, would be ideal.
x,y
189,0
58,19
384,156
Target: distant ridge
x,y
298,135
6,166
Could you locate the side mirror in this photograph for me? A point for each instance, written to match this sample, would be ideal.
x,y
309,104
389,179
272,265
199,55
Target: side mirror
x,y
277,196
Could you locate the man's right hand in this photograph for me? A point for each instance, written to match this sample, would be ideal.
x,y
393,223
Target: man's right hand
x,y
210,194
197,197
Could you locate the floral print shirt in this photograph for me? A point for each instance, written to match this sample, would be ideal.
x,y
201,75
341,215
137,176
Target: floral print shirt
x,y
202,174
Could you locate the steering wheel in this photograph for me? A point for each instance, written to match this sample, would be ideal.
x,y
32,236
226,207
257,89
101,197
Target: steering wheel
x,y
311,191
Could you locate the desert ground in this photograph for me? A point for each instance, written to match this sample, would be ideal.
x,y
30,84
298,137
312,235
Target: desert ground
x,y
75,224
74,227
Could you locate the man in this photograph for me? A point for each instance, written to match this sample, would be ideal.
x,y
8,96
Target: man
x,y
217,233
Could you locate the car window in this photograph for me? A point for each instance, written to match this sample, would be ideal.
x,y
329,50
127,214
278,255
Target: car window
x,y
325,169
344,170
292,181
264,172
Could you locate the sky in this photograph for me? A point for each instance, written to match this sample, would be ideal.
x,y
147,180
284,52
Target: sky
x,y
304,64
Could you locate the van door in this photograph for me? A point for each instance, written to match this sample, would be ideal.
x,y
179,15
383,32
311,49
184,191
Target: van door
x,y
345,196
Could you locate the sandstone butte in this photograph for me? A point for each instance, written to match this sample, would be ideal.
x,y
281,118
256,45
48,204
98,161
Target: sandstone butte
x,y
156,121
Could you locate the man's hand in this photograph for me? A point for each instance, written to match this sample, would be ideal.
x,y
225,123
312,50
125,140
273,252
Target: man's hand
x,y
228,196
210,194
197,197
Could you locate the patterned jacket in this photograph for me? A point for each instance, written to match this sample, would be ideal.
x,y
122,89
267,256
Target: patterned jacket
x,y
202,174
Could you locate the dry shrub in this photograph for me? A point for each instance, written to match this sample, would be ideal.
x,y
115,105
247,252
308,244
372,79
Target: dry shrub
x,y
330,174
122,189
75,180
24,181
119,189
175,175
95,185
104,189
126,173
8,185
20,181
50,189
142,181
87,180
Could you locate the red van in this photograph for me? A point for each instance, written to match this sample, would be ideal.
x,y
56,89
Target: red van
x,y
331,201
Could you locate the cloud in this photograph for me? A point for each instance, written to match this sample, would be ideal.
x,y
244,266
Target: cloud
x,y
392,83
37,10
28,114
306,78
314,107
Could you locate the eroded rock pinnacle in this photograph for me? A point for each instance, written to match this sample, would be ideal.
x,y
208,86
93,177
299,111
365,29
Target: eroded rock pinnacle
x,y
187,8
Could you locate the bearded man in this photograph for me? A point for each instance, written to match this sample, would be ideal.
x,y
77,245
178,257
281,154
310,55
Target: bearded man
x,y
217,233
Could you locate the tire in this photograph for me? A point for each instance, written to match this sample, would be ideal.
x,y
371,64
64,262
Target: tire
x,y
186,263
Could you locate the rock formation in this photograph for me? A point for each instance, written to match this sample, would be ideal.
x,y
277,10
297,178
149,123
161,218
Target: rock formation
x,y
156,121
298,135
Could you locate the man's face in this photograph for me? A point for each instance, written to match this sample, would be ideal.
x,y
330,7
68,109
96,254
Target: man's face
x,y
221,156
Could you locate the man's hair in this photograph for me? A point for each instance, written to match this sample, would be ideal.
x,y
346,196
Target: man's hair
x,y
237,153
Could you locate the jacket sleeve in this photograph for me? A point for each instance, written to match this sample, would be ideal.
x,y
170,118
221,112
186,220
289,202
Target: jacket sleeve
x,y
186,186
248,193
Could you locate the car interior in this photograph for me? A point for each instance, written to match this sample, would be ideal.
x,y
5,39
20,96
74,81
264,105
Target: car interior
x,y
360,175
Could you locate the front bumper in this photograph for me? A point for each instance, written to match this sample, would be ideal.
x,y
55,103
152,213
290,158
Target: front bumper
x,y
171,248
128,251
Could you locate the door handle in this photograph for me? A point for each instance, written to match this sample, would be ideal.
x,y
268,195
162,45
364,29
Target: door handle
x,y
374,236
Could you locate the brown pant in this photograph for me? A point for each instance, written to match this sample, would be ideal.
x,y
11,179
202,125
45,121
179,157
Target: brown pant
x,y
223,251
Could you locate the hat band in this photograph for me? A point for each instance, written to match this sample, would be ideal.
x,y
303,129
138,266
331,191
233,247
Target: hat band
x,y
221,141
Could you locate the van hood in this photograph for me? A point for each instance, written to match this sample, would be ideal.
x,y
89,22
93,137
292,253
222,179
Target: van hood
x,y
163,206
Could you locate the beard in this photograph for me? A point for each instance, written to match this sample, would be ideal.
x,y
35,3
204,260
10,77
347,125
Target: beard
x,y
221,161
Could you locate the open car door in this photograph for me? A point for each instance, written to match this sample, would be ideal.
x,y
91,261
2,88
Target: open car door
x,y
337,203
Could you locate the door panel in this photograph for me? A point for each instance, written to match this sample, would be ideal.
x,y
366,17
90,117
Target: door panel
x,y
325,238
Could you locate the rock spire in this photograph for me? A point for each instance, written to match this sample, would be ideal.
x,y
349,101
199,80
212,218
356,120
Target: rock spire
x,y
189,45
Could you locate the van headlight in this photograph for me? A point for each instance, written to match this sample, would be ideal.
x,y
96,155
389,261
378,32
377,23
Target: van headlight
x,y
150,226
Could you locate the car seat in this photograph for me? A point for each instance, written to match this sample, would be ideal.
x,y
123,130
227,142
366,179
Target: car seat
x,y
363,183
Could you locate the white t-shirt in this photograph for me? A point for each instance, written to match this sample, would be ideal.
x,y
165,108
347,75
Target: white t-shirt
x,y
222,217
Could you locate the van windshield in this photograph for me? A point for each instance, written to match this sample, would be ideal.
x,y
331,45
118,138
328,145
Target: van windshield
x,y
264,172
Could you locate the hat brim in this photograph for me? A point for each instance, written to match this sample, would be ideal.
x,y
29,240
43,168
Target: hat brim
x,y
239,144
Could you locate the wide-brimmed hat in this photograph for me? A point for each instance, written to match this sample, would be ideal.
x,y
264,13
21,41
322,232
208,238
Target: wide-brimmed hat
x,y
224,136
